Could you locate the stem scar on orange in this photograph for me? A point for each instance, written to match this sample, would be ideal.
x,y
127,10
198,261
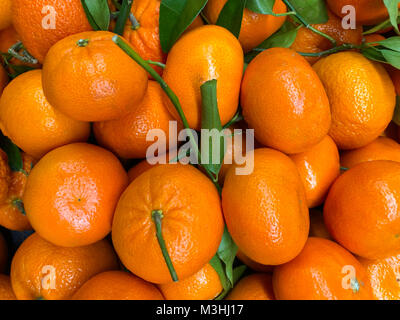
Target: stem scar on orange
x,y
87,77
168,223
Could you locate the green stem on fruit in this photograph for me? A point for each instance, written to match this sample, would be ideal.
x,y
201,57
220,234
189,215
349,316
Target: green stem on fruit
x,y
383,25
343,47
171,95
123,16
82,42
19,205
156,63
134,22
25,57
157,216
307,25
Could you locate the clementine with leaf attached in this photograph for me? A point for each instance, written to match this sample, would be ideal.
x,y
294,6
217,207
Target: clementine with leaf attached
x,y
44,127
12,211
318,166
257,286
75,206
361,96
117,285
322,271
266,211
255,27
203,285
203,54
361,210
42,23
181,202
89,78
295,113
41,270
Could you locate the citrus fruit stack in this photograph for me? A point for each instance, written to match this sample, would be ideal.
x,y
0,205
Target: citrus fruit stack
x,y
303,205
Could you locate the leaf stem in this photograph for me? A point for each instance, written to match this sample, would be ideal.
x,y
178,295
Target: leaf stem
x,y
134,22
25,57
346,46
307,25
171,95
123,16
157,216
156,63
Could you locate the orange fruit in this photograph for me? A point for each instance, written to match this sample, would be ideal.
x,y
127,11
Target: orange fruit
x,y
361,95
138,169
145,38
322,271
192,222
3,79
317,225
75,206
127,136
205,53
395,74
295,114
381,148
88,69
266,211
117,285
257,286
44,127
361,212
42,23
368,12
3,254
12,212
41,270
384,276
203,285
318,166
6,291
5,13
310,42
373,38
255,266
255,27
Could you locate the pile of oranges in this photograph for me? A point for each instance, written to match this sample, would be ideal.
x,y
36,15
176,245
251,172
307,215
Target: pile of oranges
x,y
318,217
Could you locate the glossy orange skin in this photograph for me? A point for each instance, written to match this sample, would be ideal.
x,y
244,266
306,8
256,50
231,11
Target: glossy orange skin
x,y
266,211
368,12
380,149
72,267
45,128
203,285
205,53
146,39
252,264
319,166
99,76
361,210
126,136
28,17
6,291
311,42
295,113
13,184
3,79
75,206
317,225
3,254
257,286
5,14
192,225
138,169
384,275
373,38
117,285
317,273
361,96
255,27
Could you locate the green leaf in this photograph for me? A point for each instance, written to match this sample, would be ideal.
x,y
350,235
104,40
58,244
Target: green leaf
x,y
261,6
97,13
123,16
392,43
392,7
374,54
175,17
231,16
13,153
392,57
227,252
313,11
211,121
396,116
237,274
217,264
